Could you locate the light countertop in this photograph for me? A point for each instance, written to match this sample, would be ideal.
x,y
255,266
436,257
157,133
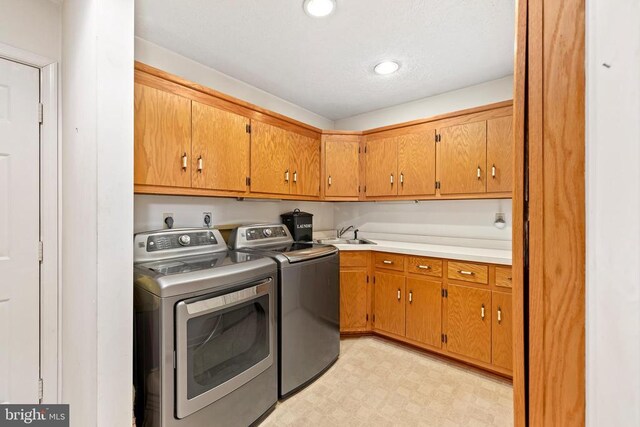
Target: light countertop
x,y
491,256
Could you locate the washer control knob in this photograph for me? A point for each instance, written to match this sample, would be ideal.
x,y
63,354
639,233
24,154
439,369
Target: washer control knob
x,y
184,240
267,232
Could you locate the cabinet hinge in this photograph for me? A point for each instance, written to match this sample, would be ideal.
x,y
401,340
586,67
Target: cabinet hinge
x,y
365,149
40,113
374,280
445,293
367,317
367,278
444,338
40,389
438,137
248,128
359,150
248,181
358,189
374,318
40,251
365,188
437,185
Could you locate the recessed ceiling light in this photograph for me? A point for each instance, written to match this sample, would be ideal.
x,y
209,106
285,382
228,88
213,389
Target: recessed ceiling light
x,y
386,67
319,8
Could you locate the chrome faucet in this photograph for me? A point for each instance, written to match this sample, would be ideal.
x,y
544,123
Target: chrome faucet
x,y
344,230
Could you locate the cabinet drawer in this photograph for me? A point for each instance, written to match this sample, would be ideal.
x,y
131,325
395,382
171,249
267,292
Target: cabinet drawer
x,y
354,259
476,273
425,266
503,277
389,261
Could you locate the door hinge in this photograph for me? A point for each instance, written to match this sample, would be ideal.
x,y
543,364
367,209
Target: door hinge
x,y
438,137
248,128
40,112
248,181
40,389
40,251
437,185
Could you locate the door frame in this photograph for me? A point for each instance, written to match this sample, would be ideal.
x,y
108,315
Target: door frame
x,y
50,226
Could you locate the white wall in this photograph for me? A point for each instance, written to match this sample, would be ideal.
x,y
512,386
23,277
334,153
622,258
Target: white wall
x,y
463,222
32,25
164,59
188,211
613,213
472,96
97,210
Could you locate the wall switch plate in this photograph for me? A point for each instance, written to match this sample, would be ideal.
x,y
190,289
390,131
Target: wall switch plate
x,y
207,218
165,222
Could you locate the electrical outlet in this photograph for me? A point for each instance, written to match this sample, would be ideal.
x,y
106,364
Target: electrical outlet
x,y
206,219
165,224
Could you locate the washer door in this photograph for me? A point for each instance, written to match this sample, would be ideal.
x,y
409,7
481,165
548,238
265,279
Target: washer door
x,y
222,342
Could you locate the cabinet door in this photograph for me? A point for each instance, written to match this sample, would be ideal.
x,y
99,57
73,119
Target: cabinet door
x,y
269,159
463,158
162,138
353,300
342,167
304,159
389,302
382,167
417,163
502,344
424,311
220,149
469,322
499,158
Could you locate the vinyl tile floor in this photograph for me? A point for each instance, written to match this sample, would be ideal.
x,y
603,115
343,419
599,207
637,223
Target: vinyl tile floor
x,y
379,383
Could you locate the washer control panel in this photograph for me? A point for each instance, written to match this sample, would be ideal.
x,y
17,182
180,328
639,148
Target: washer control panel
x,y
257,233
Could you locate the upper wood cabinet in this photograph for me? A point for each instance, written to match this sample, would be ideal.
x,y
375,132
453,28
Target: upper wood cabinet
x,y
304,158
417,163
270,169
162,138
381,167
469,322
342,166
283,161
499,157
220,149
463,158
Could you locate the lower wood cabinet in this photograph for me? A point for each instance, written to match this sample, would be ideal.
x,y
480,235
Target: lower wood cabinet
x,y
423,312
428,303
502,340
389,302
469,322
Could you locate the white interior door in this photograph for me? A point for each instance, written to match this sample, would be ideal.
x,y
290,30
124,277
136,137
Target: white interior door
x,y
19,233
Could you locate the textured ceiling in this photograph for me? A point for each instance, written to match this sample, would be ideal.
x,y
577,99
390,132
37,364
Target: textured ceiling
x,y
326,65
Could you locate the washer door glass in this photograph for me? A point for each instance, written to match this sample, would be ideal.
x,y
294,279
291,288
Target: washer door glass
x,y
224,344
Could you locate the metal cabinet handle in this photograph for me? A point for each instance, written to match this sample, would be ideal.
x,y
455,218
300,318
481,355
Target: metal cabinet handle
x,y
184,161
386,261
482,312
479,172
286,175
398,294
424,267
200,164
401,178
295,176
493,171
499,315
391,179
329,179
410,297
466,273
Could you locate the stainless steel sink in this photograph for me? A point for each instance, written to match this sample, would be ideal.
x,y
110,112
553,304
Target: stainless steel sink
x,y
345,242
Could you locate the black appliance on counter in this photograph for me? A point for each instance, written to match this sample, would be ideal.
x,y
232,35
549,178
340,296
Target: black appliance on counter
x,y
300,225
